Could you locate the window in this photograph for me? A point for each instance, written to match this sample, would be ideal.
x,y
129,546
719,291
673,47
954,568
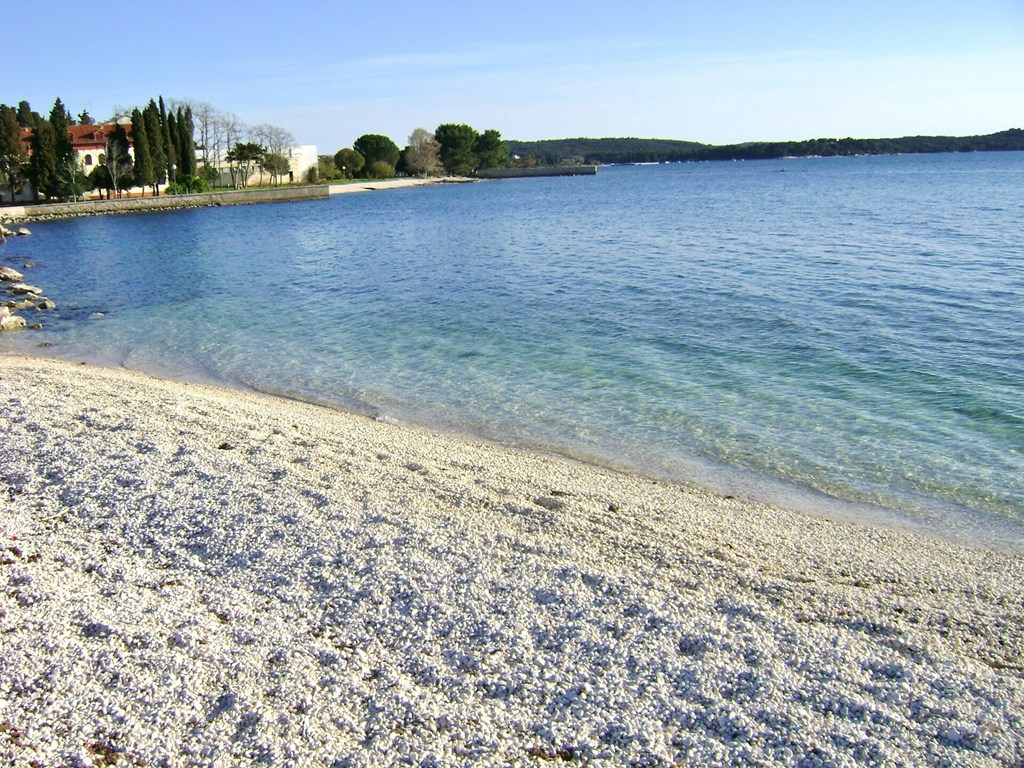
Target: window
x,y
88,159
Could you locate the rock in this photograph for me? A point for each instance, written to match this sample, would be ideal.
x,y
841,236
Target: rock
x,y
29,265
20,289
46,304
28,303
12,323
549,502
9,275
5,311
23,231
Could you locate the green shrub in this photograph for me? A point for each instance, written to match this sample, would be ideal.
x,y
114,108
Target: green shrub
x,y
380,169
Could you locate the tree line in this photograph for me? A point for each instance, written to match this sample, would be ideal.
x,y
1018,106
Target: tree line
x,y
633,150
457,149
162,141
181,147
163,150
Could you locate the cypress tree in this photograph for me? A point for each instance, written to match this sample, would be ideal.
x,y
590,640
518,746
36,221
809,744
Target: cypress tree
x,y
42,166
118,159
13,155
186,146
157,158
169,134
143,157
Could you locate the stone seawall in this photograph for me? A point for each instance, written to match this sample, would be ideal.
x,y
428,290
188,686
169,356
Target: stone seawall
x,y
163,203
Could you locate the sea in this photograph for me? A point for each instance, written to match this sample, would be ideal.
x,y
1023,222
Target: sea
x,y
842,336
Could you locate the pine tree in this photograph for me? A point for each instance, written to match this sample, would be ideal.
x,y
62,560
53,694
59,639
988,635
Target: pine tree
x,y
60,120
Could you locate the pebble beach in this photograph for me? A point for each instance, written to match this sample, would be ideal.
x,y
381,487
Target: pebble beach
x,y
196,576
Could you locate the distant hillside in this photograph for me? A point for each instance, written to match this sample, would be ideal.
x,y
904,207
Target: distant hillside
x,y
631,150
590,151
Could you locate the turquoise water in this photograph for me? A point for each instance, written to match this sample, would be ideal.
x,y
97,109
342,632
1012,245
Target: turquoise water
x,y
842,335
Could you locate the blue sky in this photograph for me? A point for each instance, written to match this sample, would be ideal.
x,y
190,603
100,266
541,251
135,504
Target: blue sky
x,y
717,72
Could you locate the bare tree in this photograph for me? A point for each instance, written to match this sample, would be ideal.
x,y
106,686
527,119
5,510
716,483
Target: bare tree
x,y
205,118
275,140
228,132
279,140
423,155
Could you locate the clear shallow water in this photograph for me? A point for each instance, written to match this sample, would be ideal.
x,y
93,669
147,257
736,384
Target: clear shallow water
x,y
843,334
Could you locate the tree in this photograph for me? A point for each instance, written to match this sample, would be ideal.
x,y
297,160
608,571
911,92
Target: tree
x,y
223,131
168,131
207,125
118,159
423,155
154,133
60,119
100,179
243,157
84,118
380,169
26,117
490,150
275,139
59,113
186,145
171,138
43,161
143,157
457,147
125,183
374,147
216,132
276,165
70,179
349,162
326,170
13,155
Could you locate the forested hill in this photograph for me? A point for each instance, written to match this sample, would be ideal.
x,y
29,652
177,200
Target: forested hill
x,y
630,150
589,151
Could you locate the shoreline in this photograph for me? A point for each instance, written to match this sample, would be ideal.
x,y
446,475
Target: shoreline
x,y
200,574
286,193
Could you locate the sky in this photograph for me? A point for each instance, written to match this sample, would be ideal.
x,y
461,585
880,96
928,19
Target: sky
x,y
718,72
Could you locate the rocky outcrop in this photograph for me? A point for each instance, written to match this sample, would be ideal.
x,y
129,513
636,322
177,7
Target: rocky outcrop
x,y
12,323
23,297
8,275
21,289
20,231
